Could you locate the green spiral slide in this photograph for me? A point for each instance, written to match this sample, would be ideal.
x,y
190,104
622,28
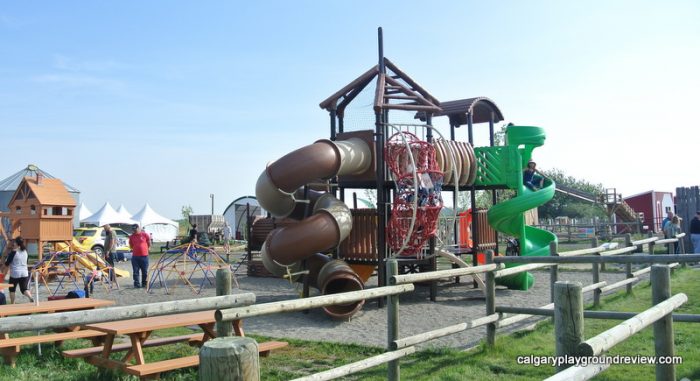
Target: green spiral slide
x,y
508,217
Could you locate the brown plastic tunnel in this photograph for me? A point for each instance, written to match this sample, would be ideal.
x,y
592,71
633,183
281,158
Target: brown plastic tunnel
x,y
329,224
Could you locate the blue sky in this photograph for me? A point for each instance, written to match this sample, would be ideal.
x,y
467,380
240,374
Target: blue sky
x,y
169,101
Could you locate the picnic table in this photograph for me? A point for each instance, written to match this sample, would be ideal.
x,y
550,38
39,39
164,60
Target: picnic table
x,y
139,332
10,347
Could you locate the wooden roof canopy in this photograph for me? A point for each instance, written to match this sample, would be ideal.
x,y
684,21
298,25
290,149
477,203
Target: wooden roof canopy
x,y
480,108
45,191
395,91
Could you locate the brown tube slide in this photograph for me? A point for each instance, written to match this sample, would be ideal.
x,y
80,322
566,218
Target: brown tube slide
x,y
329,224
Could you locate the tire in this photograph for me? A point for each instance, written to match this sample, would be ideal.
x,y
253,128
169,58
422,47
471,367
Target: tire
x,y
99,250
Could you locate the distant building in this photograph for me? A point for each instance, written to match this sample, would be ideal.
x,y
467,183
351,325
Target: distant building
x,y
236,212
653,206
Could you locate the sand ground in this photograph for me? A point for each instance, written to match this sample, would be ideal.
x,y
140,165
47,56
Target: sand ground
x,y
455,303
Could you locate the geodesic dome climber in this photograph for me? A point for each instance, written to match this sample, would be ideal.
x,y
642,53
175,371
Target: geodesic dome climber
x,y
417,205
183,263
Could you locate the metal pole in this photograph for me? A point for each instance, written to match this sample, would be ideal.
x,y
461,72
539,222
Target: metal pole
x,y
212,203
333,121
380,119
392,315
663,328
490,283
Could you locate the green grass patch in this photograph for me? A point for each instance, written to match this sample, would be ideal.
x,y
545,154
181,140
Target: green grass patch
x,y
482,363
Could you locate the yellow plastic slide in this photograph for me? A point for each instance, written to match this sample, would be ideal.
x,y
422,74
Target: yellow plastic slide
x,y
89,263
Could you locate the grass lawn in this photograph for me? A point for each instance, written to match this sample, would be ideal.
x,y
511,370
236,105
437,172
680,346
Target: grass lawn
x,y
482,363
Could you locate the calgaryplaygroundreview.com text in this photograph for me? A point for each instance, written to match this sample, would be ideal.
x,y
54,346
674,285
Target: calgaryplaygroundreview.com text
x,y
583,361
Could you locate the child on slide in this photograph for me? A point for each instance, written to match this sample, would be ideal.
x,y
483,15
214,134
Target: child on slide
x,y
531,180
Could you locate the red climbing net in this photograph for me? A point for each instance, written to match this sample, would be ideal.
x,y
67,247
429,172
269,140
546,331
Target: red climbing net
x,y
405,235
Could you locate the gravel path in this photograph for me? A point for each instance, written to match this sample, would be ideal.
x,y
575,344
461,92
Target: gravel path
x,y
456,303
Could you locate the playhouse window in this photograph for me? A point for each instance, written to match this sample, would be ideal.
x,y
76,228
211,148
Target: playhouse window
x,y
32,210
18,210
56,211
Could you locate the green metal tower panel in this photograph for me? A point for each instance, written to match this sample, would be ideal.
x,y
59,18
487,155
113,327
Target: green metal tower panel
x,y
500,165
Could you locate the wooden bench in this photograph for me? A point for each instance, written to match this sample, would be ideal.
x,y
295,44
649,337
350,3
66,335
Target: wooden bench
x,y
154,369
193,339
10,347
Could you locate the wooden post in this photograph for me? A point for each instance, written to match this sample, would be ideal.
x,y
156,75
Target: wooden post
x,y
490,285
229,359
223,287
596,276
663,328
553,270
628,266
568,319
392,316
681,249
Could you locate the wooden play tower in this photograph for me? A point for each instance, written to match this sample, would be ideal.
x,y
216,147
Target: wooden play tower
x,y
41,211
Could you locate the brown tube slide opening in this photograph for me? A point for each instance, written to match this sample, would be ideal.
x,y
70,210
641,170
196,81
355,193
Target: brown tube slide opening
x,y
337,277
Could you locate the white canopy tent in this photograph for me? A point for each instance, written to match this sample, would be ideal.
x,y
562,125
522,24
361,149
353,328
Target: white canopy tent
x,y
106,215
83,212
160,228
123,213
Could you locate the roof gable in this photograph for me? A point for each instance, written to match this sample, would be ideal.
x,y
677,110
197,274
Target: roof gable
x,y
48,192
395,90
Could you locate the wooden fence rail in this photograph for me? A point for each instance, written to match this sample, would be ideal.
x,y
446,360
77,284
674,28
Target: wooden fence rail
x,y
76,318
570,319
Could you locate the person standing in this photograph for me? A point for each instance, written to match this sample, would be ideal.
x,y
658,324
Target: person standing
x,y
672,229
193,233
140,243
669,217
19,273
110,250
695,232
227,238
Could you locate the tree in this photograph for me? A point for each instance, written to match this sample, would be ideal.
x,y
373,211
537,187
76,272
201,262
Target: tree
x,y
186,211
184,223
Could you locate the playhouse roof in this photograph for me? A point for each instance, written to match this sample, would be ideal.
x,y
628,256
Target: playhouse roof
x,y
47,192
479,107
11,183
147,216
395,90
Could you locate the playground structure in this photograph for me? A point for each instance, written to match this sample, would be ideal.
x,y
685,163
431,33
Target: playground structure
x,y
41,211
184,262
409,165
72,264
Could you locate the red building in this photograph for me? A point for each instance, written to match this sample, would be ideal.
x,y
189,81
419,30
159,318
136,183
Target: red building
x,y
653,205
